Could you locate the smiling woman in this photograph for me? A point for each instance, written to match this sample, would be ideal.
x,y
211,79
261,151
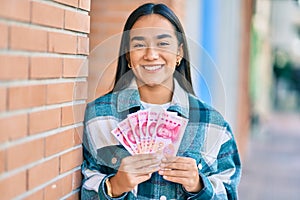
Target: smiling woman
x,y
153,55
153,74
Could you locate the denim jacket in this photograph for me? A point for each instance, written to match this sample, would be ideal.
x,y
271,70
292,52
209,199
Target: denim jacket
x,y
208,139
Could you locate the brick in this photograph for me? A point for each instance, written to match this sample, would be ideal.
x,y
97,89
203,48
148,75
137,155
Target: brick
x,y
44,120
4,36
59,188
80,90
73,3
72,114
26,96
24,153
45,67
2,161
77,21
59,142
76,179
75,196
3,99
37,195
41,13
75,67
61,92
15,9
25,38
43,172
83,45
10,130
62,43
85,4
121,6
70,160
13,185
14,67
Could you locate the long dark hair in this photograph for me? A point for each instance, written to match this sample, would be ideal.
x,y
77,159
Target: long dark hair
x,y
182,72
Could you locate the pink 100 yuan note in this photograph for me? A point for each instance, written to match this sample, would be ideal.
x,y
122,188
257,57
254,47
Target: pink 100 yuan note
x,y
169,132
153,115
127,132
143,118
134,123
118,134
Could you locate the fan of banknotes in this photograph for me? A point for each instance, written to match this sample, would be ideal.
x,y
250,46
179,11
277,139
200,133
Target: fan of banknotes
x,y
151,130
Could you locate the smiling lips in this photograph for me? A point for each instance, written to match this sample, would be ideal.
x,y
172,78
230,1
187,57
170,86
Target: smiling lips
x,y
152,67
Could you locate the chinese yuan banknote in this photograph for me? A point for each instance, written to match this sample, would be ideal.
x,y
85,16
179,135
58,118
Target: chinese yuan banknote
x,y
153,114
168,133
127,133
118,134
151,130
143,119
134,124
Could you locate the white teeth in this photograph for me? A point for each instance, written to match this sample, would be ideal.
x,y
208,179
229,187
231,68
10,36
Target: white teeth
x,y
153,67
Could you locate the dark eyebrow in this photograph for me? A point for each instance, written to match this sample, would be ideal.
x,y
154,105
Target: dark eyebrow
x,y
139,38
162,36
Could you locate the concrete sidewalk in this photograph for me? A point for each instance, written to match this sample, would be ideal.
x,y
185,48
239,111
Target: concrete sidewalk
x,y
271,169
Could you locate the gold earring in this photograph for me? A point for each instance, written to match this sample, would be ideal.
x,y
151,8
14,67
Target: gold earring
x,y
178,63
129,66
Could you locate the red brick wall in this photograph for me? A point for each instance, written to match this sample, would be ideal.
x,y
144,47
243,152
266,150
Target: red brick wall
x,y
43,91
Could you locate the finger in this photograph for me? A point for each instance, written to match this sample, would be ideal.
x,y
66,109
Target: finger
x,y
178,166
191,184
186,179
177,159
148,156
129,164
147,170
144,164
138,169
143,177
179,180
178,173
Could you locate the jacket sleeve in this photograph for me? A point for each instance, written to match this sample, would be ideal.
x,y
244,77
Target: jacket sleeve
x,y
94,177
221,178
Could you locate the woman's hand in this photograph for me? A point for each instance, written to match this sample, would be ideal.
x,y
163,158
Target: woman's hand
x,y
182,170
134,170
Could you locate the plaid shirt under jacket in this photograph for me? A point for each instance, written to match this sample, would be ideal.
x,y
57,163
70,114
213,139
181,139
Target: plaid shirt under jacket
x,y
207,139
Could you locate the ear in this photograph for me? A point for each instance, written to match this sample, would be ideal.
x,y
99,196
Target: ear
x,y
127,57
180,52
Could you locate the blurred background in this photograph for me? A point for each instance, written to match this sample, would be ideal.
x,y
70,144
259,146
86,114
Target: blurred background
x,y
57,55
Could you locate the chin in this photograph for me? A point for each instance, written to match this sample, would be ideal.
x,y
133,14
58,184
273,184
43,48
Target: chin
x,y
152,83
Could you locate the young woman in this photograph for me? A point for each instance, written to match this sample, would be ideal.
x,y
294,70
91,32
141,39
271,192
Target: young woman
x,y
153,70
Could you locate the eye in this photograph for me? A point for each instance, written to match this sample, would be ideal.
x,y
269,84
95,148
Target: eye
x,y
138,45
162,44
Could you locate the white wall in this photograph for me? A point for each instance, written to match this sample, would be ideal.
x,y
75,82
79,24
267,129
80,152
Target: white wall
x,y
224,70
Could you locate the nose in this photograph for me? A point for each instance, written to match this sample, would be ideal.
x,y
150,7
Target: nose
x,y
151,54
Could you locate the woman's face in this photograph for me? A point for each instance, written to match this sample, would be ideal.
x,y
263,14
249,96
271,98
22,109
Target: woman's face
x,y
154,51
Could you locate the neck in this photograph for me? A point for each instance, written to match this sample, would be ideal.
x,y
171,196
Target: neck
x,y
158,94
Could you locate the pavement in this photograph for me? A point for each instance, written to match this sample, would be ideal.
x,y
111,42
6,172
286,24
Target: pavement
x,y
271,167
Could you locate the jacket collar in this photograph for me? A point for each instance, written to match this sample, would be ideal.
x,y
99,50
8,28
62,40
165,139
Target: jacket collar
x,y
130,97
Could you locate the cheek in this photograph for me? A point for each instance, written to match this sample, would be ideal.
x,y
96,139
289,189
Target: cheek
x,y
135,57
170,58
